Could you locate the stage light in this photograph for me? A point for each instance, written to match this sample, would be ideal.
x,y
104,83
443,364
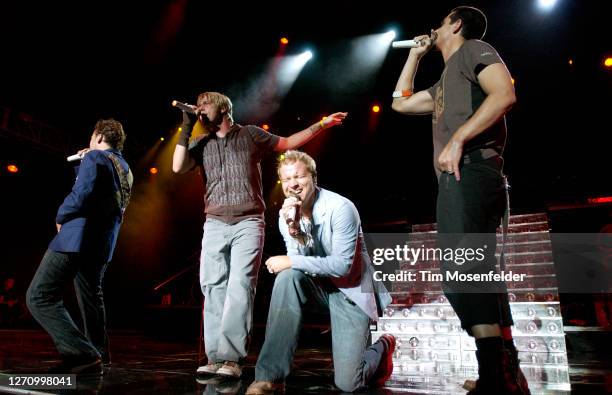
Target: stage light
x,y
306,56
570,62
288,71
278,181
598,200
161,139
265,127
389,36
375,108
282,157
284,41
180,129
546,4
364,61
608,62
12,168
153,170
512,79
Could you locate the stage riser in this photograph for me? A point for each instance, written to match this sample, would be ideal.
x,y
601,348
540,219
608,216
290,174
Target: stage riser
x,y
434,353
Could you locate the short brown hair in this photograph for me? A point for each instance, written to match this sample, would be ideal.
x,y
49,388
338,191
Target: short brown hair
x,y
112,131
293,156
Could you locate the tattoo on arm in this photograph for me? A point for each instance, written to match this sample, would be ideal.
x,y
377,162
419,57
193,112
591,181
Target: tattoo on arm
x,y
314,128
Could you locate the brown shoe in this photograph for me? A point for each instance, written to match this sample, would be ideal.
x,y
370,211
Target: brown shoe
x,y
265,388
230,369
210,368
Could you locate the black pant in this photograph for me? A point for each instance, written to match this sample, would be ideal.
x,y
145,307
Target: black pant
x,y
44,299
468,214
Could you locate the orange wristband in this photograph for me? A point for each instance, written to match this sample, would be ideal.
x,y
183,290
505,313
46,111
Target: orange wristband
x,y
404,93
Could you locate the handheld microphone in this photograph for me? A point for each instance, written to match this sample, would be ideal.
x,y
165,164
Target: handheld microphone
x,y
183,106
406,44
293,216
74,158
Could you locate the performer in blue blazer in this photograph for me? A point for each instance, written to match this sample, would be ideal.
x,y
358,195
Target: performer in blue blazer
x,y
88,224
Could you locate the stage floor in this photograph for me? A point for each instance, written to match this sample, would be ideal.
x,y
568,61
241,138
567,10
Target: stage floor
x,y
143,364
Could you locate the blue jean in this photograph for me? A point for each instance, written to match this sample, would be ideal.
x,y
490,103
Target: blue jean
x,y
229,263
45,300
354,361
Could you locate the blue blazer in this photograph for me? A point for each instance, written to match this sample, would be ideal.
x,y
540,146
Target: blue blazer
x,y
339,252
91,214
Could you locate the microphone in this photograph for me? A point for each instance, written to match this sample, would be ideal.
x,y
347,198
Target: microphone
x,y
183,106
406,44
292,217
75,157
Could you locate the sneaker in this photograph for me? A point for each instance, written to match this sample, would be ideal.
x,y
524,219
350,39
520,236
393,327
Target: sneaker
x,y
385,367
229,386
209,380
79,366
230,369
211,368
265,388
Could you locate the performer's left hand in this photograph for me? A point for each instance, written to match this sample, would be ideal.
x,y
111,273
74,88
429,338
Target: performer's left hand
x,y
277,264
450,157
334,119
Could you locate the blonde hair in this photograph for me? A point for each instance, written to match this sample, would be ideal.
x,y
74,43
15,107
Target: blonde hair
x,y
293,156
220,100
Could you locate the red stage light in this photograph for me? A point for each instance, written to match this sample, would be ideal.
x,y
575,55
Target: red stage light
x,y
606,199
12,168
153,170
608,62
376,108
284,41
265,127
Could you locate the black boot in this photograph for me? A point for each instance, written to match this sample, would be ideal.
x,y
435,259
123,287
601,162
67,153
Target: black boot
x,y
497,372
515,368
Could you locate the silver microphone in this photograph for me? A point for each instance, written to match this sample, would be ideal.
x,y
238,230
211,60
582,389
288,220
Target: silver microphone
x,y
406,44
293,216
75,157
183,106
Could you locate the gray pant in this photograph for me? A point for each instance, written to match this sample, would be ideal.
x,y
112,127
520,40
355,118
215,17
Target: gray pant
x,y
354,362
45,300
229,263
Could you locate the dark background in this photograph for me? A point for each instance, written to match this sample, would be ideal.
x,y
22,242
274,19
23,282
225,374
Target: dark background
x,y
67,65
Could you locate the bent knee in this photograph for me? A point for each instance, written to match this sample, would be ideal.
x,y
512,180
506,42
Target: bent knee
x,y
289,276
33,298
348,385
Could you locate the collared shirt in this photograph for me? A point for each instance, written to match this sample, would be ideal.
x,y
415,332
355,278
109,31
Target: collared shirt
x,y
338,252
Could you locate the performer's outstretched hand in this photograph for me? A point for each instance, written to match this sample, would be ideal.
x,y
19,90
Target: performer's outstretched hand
x,y
334,119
